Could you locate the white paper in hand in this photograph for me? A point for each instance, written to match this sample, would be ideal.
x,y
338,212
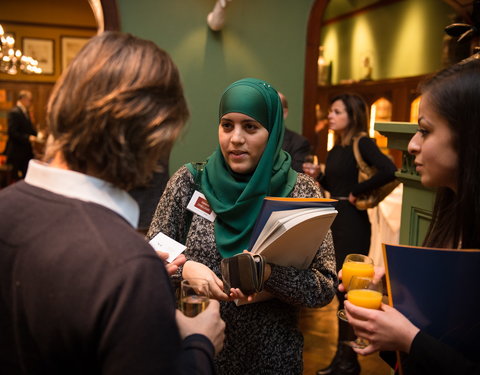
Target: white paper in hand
x,y
162,242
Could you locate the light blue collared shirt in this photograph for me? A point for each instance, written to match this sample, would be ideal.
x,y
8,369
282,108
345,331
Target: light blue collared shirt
x,y
77,185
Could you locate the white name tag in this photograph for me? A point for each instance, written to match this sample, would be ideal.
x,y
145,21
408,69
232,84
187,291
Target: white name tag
x,y
162,242
199,205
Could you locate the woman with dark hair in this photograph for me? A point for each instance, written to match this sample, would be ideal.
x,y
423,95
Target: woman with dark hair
x,y
446,156
348,118
249,164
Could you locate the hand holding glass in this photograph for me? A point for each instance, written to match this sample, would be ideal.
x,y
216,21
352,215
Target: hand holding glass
x,y
363,292
194,296
309,164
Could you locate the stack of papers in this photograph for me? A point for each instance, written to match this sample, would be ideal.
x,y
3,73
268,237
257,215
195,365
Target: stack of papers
x,y
289,231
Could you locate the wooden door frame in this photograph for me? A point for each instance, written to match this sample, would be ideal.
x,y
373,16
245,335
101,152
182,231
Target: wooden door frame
x,y
111,15
311,70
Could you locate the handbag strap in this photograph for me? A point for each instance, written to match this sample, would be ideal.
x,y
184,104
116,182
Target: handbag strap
x,y
362,165
260,263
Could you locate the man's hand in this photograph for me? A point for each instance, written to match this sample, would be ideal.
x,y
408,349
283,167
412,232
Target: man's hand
x,y
173,266
208,323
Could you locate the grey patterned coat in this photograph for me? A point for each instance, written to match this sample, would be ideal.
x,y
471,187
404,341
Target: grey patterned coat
x,y
261,338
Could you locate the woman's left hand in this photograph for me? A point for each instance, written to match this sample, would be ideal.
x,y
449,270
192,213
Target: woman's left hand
x,y
386,329
237,294
196,270
313,170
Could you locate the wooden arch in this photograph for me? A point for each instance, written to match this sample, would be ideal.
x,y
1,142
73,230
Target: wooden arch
x,y
311,70
111,16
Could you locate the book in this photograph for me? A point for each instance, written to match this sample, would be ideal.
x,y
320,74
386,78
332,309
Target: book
x,y
438,291
277,204
289,232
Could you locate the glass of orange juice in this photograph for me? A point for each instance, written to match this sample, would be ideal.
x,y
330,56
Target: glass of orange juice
x,y
364,292
355,265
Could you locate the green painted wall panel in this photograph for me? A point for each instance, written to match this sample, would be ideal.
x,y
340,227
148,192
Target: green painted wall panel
x,y
263,39
417,206
417,200
401,39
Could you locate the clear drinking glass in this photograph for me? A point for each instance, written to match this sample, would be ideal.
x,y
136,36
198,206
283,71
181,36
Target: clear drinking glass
x,y
194,296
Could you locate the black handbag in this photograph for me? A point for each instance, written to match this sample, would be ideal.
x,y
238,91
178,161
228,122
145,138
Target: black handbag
x,y
243,271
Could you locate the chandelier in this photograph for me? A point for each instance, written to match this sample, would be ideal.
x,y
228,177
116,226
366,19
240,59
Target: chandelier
x,y
11,60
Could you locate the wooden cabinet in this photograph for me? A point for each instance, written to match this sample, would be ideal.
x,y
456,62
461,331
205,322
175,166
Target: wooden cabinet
x,y
6,103
417,200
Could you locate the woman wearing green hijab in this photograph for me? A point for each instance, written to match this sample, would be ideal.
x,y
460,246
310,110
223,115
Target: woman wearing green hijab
x,y
248,165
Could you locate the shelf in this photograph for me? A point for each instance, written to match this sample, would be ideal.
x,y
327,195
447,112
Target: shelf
x,y
398,133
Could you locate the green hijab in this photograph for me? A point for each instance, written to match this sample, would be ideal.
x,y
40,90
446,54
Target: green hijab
x,y
237,199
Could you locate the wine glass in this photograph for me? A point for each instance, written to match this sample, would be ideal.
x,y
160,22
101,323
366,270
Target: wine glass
x,y
355,265
364,292
194,296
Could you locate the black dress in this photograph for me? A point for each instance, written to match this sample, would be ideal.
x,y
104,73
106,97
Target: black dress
x,y
429,356
351,228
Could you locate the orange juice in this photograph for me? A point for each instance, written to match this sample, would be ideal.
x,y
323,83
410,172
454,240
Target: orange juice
x,y
370,299
350,269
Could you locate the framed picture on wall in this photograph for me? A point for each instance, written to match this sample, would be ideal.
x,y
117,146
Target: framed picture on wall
x,y
70,45
41,50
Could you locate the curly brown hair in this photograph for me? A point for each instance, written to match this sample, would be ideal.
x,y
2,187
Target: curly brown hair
x,y
117,109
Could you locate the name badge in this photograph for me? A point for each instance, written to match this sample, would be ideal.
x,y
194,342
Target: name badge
x,y
199,205
162,242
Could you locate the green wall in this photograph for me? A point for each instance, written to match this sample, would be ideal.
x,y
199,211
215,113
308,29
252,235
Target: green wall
x,y
402,39
263,38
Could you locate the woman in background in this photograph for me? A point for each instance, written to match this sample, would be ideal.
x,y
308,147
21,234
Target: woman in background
x,y
249,164
446,156
348,118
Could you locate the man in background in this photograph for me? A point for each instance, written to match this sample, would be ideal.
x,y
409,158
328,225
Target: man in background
x,y
293,143
147,196
21,134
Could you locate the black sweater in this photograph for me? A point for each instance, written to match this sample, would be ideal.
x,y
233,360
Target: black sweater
x,y
83,293
341,173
